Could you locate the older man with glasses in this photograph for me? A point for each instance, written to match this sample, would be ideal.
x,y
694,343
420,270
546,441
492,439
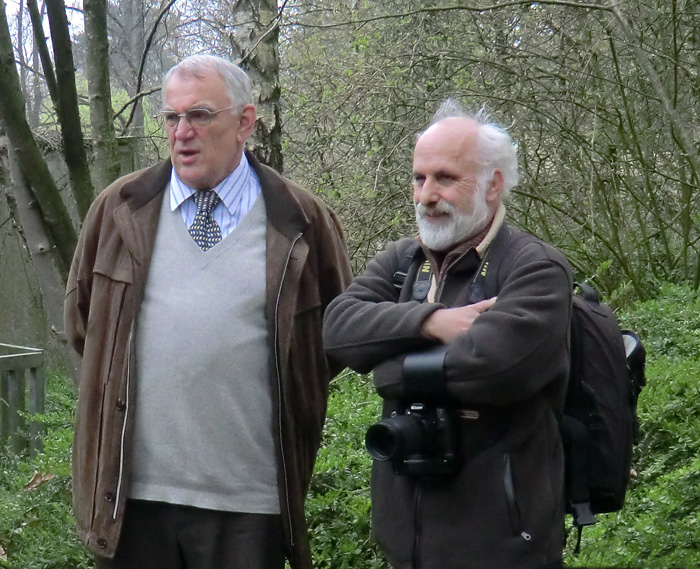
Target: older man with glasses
x,y
195,300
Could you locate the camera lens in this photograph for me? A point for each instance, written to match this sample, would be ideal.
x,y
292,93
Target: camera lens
x,y
381,441
395,438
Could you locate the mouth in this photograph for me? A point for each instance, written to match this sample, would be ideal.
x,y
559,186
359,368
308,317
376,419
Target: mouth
x,y
187,156
432,215
435,214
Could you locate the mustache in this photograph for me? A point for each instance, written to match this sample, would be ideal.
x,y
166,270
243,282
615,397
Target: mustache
x,y
439,207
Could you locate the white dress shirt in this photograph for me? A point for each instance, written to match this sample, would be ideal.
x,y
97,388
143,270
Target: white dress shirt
x,y
238,192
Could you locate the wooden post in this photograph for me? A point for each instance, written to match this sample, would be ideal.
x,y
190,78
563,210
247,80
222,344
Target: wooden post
x,y
16,399
4,409
15,362
37,401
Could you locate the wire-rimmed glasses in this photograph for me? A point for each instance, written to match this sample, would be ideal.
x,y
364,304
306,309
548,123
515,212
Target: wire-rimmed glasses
x,y
196,118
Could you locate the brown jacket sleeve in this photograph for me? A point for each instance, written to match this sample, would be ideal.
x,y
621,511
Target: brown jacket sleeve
x,y
77,299
335,272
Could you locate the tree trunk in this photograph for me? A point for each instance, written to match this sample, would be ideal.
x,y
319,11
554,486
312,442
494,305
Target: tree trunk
x,y
106,154
68,115
32,163
37,96
46,263
20,52
254,41
43,50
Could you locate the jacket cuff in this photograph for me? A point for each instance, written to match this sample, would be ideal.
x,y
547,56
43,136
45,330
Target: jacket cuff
x,y
424,374
416,376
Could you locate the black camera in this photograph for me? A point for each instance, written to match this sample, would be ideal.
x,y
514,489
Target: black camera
x,y
419,441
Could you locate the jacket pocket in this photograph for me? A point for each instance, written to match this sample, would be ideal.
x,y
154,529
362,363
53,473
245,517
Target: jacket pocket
x,y
514,514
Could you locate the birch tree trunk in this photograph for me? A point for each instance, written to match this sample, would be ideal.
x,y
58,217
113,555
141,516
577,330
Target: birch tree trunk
x,y
254,41
45,261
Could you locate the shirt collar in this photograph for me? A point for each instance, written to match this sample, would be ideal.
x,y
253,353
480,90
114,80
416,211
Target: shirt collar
x,y
496,224
228,190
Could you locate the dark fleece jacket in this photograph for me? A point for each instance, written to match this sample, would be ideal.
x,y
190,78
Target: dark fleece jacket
x,y
504,381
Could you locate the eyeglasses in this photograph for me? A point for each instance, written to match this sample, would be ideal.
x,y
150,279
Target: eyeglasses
x,y
196,118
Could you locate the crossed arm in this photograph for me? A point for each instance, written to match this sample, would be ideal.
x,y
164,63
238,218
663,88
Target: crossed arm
x,y
498,351
448,323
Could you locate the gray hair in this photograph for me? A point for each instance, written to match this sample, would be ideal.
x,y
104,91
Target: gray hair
x,y
497,151
238,85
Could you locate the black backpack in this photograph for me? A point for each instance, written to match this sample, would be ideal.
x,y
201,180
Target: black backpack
x,y
599,425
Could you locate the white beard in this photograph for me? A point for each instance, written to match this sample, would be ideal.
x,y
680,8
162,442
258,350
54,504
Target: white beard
x,y
443,233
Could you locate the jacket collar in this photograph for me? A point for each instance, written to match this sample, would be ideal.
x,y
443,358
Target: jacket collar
x,y
142,189
282,207
496,224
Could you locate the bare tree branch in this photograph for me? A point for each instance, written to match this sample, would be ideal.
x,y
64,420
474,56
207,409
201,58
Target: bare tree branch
x,y
135,98
474,9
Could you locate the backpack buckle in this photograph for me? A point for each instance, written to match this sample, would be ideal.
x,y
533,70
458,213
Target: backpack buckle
x,y
583,515
399,279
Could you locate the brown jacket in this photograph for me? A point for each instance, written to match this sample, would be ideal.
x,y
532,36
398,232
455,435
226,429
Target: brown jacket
x,y
504,508
307,266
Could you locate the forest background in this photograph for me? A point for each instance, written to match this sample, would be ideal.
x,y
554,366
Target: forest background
x,y
601,96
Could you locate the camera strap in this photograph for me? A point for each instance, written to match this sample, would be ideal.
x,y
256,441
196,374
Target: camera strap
x,y
421,286
422,281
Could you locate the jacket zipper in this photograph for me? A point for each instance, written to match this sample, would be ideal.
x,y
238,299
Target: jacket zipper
x,y
416,525
279,391
511,501
120,479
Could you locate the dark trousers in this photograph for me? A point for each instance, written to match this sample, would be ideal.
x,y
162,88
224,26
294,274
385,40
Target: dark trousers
x,y
167,536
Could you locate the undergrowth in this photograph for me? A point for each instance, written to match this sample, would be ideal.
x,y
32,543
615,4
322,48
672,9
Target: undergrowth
x,y
658,527
36,524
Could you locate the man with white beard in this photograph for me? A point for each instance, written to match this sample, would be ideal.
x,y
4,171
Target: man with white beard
x,y
466,331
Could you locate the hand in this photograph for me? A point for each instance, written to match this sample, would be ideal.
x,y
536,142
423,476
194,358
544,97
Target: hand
x,y
448,323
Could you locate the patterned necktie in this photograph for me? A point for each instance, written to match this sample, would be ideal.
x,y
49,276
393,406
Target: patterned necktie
x,y
204,230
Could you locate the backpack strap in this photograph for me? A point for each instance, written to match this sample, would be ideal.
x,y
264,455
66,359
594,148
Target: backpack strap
x,y
485,281
575,436
411,252
588,292
575,439
421,283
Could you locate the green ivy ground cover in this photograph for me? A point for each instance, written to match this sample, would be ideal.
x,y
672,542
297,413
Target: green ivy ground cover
x,y
658,527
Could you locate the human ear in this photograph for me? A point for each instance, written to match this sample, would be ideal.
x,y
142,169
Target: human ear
x,y
246,122
496,186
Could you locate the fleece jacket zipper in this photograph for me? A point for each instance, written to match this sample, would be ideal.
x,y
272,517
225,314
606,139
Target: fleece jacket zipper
x,y
417,525
511,501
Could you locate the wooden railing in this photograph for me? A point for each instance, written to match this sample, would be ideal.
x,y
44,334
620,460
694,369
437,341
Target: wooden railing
x,y
22,394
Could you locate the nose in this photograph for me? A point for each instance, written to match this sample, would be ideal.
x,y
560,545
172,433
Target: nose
x,y
183,129
426,193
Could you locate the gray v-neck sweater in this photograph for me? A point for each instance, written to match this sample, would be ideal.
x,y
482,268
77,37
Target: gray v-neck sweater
x,y
203,412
